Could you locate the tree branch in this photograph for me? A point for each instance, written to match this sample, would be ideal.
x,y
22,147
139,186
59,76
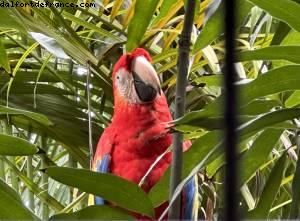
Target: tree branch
x,y
183,65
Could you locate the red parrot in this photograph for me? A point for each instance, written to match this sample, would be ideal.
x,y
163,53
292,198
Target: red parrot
x,y
137,135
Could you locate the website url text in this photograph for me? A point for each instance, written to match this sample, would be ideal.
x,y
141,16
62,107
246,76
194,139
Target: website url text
x,y
45,4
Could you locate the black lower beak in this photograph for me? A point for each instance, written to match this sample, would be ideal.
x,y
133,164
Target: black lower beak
x,y
146,92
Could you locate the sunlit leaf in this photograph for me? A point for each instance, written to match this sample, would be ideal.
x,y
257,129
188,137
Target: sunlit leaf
x,y
139,23
35,116
290,53
207,148
285,10
287,78
50,44
257,154
14,146
270,191
293,100
95,213
108,186
11,205
4,62
214,26
10,20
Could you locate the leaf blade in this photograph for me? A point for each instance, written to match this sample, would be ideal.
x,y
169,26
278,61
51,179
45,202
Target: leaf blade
x,y
140,21
34,116
112,188
10,201
4,62
15,146
256,155
270,191
285,10
290,53
94,213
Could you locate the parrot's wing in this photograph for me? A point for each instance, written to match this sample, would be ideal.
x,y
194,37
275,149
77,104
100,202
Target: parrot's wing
x,y
102,166
190,194
102,159
190,200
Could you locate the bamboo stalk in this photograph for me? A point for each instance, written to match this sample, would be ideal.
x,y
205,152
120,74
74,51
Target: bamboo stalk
x,y
183,65
13,176
2,170
88,90
71,161
2,165
29,168
45,185
30,176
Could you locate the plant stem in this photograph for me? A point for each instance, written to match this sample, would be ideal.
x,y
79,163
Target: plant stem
x,y
295,212
2,166
45,185
29,168
2,170
30,176
88,90
230,113
13,176
183,65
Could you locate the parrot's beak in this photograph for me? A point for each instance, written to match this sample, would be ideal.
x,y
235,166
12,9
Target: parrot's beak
x,y
145,78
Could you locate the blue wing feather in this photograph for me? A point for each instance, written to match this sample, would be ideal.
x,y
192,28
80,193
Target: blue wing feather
x,y
102,166
190,199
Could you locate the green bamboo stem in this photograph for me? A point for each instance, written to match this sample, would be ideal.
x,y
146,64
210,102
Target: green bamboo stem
x,y
2,170
45,185
71,206
30,176
2,165
29,168
183,64
13,176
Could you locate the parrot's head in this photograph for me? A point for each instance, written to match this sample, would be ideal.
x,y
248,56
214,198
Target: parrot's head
x,y
135,81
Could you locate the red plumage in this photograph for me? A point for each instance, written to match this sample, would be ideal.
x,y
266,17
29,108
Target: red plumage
x,y
137,134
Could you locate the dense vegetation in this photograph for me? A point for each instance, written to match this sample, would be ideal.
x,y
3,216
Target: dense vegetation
x,y
44,57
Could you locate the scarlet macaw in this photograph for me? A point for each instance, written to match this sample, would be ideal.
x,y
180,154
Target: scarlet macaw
x,y
137,135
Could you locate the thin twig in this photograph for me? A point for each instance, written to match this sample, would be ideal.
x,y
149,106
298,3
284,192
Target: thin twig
x,y
153,165
88,91
183,65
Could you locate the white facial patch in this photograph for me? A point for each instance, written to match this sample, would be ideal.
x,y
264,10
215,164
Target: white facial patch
x,y
125,86
126,83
